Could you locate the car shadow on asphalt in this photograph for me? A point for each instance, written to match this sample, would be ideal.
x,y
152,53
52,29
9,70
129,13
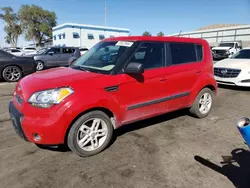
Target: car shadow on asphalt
x,y
56,148
127,128
238,88
235,167
150,122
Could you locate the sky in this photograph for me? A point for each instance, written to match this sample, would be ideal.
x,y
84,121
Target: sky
x,y
168,16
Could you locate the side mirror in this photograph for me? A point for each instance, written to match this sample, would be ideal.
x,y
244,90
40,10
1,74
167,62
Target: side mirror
x,y
134,68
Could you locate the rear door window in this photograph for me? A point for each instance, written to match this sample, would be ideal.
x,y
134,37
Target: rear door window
x,y
184,53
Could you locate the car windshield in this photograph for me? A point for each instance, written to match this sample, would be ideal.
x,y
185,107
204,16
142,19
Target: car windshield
x,y
226,45
4,53
243,54
103,56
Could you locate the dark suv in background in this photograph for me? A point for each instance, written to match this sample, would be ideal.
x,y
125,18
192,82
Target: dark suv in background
x,y
56,56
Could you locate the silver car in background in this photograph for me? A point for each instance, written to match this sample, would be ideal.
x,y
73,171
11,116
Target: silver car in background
x,y
56,57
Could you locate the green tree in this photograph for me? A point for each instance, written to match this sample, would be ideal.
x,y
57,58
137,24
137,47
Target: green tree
x,y
160,34
146,33
12,27
36,22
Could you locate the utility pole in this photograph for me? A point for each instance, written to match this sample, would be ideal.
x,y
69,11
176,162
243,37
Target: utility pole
x,y
105,14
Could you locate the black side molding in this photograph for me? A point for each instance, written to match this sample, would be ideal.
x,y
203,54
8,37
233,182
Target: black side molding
x,y
134,106
112,88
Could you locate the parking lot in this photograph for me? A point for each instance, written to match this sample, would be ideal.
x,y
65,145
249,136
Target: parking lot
x,y
165,151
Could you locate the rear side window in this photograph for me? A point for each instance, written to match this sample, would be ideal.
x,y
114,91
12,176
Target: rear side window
x,y
184,53
199,52
15,50
30,49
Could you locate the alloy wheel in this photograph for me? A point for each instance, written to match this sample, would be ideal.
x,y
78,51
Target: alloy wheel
x,y
205,103
12,74
39,66
92,134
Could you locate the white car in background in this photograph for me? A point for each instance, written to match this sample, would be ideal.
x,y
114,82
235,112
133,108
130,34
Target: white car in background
x,y
234,70
40,51
15,52
28,50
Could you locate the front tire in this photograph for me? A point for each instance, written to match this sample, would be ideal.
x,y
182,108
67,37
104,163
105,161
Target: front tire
x,y
90,134
12,74
203,103
39,65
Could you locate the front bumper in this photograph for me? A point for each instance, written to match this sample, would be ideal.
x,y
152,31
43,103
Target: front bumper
x,y
50,128
243,82
16,118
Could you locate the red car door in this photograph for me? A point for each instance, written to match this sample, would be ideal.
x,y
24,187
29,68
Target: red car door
x,y
143,95
183,73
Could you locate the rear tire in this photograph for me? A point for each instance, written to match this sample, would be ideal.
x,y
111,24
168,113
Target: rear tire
x,y
12,74
203,103
90,134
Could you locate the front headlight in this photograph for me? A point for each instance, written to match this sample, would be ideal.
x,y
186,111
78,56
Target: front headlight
x,y
47,98
228,52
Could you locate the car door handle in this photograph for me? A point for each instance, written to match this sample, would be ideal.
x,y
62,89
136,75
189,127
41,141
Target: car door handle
x,y
163,79
198,71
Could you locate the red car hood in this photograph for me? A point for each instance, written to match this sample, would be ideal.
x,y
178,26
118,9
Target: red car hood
x,y
53,78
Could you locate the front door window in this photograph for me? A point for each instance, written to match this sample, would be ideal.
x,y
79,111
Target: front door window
x,y
150,55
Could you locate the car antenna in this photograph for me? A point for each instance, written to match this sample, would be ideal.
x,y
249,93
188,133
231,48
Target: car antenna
x,y
180,33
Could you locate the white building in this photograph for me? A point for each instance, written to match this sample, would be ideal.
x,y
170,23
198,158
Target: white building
x,y
217,33
79,35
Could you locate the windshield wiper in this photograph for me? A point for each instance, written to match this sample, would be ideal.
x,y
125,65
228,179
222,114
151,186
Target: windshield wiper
x,y
78,67
86,69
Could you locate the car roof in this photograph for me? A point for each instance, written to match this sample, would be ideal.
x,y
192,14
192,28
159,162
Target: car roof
x,y
63,47
156,38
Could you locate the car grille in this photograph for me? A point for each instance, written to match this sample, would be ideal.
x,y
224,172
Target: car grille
x,y
19,99
220,52
226,72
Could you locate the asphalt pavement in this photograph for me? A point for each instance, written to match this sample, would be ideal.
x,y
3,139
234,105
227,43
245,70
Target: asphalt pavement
x,y
172,150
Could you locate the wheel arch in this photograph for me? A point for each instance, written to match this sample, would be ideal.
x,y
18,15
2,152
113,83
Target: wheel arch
x,y
194,95
107,111
211,87
40,61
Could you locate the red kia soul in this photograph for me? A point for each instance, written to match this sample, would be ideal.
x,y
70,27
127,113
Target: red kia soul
x,y
118,81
